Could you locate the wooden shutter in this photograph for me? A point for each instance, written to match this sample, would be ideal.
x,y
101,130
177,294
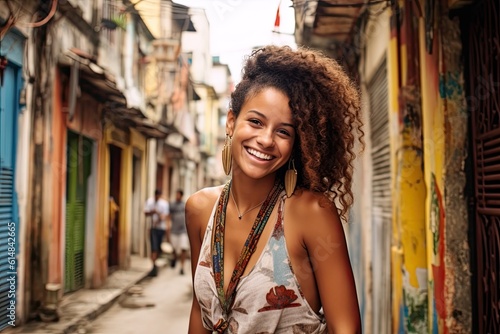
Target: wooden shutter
x,y
77,175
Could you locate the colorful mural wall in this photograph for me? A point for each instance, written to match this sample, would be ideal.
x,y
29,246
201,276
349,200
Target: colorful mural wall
x,y
430,292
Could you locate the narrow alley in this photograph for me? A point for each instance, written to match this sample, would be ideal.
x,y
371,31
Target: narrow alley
x,y
107,105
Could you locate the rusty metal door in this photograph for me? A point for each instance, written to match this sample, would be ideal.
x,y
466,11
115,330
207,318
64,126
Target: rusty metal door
x,y
482,31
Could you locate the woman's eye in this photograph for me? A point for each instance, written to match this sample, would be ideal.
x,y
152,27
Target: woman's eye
x,y
254,121
284,132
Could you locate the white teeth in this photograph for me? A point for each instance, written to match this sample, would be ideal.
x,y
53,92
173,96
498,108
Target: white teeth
x,y
259,155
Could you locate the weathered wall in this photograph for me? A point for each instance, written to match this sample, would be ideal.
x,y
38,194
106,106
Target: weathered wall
x,y
409,261
445,151
457,280
58,156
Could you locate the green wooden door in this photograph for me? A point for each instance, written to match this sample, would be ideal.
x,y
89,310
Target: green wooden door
x,y
78,158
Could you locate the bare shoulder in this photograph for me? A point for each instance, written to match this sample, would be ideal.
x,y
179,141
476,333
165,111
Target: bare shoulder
x,y
200,204
203,198
311,205
311,214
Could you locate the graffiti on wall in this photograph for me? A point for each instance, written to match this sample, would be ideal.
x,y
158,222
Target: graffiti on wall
x,y
437,224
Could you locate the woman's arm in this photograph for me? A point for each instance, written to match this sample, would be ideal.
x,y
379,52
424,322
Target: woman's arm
x,y
327,249
195,224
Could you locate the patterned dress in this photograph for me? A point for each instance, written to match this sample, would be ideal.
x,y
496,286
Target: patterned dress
x,y
268,299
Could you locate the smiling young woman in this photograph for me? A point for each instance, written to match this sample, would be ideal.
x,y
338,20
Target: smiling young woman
x,y
268,248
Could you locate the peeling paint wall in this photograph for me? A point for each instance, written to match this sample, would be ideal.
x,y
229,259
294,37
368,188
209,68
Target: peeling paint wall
x,y
457,255
445,151
410,310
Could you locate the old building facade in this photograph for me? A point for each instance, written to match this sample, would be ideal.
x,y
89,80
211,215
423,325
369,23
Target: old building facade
x,y
426,185
96,114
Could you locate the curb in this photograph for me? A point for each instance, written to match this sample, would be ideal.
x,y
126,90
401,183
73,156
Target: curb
x,y
93,314
79,320
101,308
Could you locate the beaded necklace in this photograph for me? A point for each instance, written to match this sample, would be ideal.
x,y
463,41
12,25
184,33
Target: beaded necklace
x,y
226,299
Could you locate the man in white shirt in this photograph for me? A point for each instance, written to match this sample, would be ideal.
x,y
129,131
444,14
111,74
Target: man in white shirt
x,y
157,210
178,233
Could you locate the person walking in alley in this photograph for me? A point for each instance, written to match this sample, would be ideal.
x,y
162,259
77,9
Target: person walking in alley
x,y
178,233
157,209
268,250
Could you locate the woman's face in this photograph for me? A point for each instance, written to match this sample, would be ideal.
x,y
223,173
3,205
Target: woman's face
x,y
263,134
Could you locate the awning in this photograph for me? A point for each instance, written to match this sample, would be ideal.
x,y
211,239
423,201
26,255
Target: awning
x,y
134,119
152,130
182,17
324,23
186,24
101,85
201,86
94,79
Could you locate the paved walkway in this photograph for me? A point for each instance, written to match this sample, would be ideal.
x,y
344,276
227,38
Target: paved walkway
x,y
84,305
161,305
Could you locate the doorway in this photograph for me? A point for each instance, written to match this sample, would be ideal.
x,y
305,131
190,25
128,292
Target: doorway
x,y
138,247
115,158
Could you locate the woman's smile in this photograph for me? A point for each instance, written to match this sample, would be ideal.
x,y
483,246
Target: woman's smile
x,y
259,155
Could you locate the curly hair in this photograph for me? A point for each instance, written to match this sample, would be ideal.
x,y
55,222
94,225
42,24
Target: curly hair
x,y
325,107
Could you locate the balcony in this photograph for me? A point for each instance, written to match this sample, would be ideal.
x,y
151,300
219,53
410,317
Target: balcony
x,y
166,50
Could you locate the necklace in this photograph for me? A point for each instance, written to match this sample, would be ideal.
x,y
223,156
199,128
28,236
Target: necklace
x,y
238,209
226,298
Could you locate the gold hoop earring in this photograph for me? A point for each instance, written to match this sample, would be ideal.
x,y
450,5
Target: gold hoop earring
x,y
290,178
227,155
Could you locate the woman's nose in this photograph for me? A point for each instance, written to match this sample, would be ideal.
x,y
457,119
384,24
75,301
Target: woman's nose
x,y
266,139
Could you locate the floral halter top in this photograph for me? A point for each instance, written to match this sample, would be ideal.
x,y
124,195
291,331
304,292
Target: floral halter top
x,y
267,300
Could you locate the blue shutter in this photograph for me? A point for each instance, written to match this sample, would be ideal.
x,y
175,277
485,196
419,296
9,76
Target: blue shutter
x,y
9,241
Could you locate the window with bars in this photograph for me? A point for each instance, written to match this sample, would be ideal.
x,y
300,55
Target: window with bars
x,y
482,47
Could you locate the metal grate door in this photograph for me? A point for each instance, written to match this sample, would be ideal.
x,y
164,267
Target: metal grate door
x,y
381,200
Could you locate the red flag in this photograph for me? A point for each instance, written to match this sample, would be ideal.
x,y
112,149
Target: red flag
x,y
277,20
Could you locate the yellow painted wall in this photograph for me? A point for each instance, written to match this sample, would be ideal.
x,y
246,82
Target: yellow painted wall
x,y
434,146
409,252
396,250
